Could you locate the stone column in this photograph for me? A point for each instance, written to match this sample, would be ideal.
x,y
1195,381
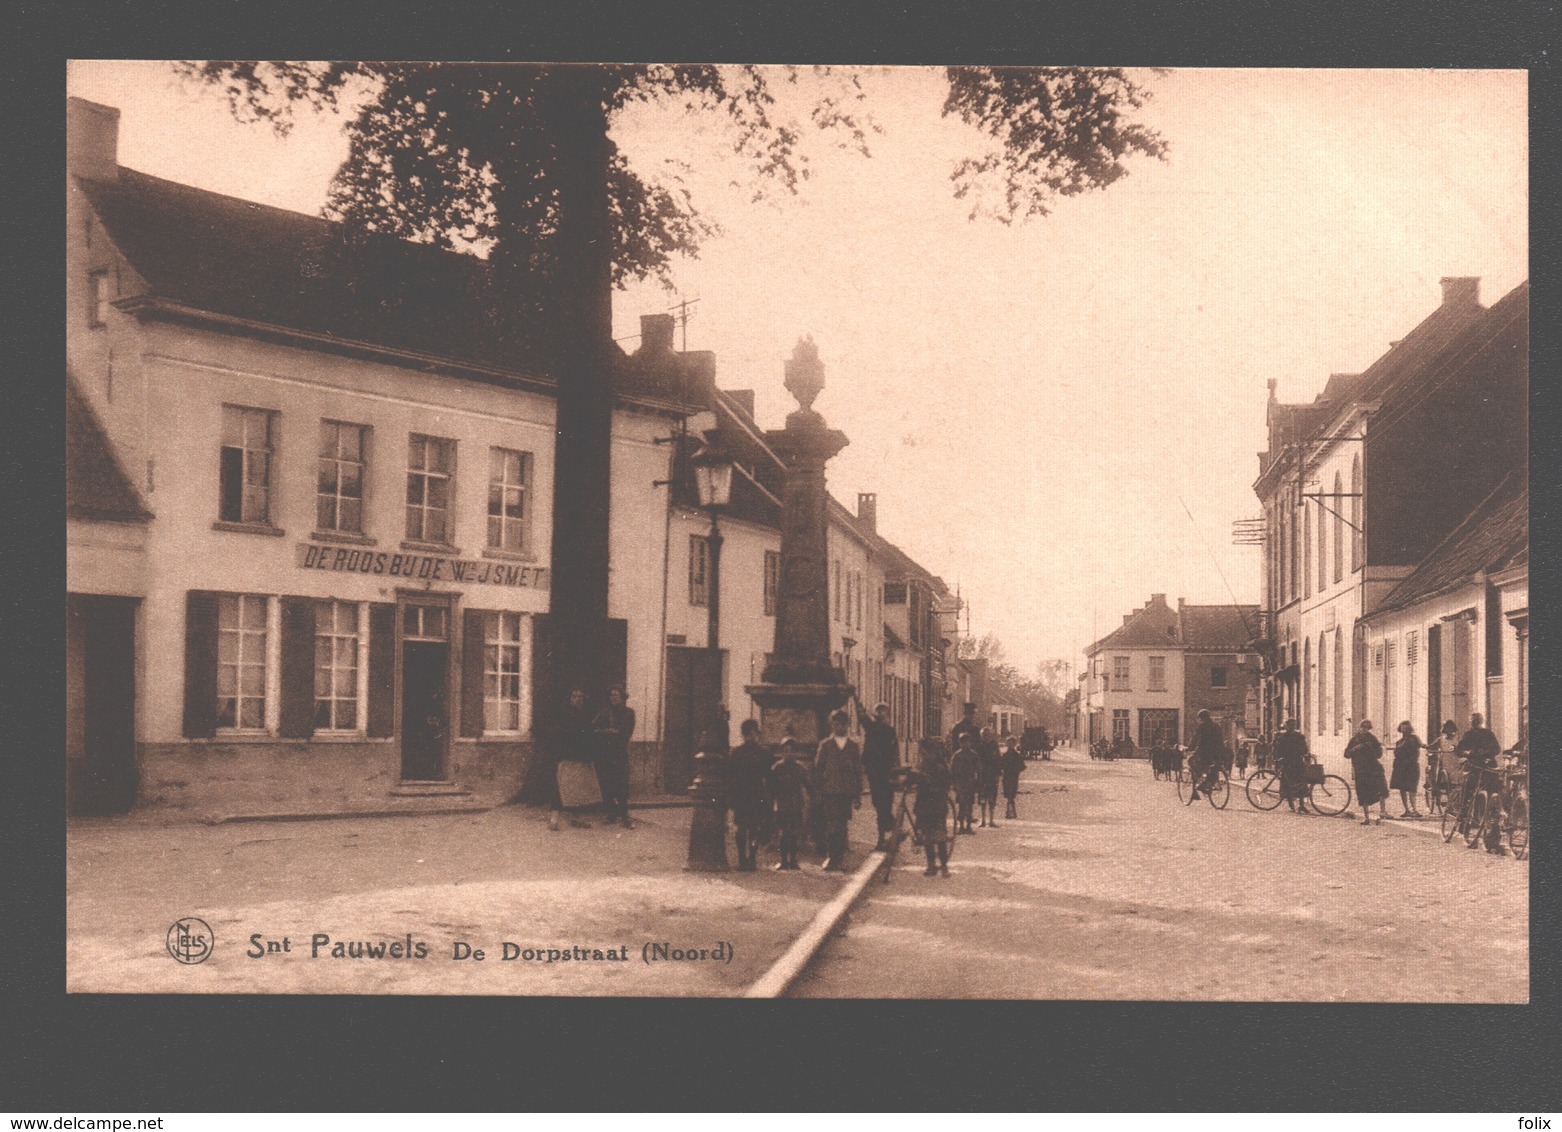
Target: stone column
x,y
800,686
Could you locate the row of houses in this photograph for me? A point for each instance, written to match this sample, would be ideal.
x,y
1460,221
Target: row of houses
x,y
1396,533
309,494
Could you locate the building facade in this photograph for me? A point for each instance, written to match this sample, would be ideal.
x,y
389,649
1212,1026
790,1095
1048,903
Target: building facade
x,y
1360,485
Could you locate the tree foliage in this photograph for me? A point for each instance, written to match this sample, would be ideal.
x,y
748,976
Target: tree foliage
x,y
459,155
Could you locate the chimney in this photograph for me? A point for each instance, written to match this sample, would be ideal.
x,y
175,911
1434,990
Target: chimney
x,y
91,140
1461,290
744,399
868,510
656,333
1156,599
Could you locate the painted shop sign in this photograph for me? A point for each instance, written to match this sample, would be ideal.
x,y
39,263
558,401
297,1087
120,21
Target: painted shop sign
x,y
421,567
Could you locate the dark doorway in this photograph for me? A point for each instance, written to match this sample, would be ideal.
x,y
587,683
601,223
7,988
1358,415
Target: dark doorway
x,y
693,693
425,676
1434,679
101,704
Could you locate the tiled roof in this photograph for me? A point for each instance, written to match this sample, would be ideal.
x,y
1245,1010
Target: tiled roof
x,y
96,487
1151,626
1219,626
1494,536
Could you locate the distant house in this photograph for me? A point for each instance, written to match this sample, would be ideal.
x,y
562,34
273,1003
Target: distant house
x,y
1150,677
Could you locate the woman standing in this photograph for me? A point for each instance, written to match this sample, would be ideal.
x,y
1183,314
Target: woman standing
x,y
1366,759
1407,769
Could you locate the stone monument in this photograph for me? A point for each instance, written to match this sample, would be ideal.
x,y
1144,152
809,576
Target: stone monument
x,y
800,686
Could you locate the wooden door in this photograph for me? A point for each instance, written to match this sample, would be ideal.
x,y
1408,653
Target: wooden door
x,y
693,696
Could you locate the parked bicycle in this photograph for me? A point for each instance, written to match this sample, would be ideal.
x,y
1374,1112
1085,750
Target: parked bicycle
x,y
1505,816
1329,794
1440,784
1465,814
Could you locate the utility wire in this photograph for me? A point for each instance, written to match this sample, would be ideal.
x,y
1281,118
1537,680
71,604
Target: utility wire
x,y
1235,604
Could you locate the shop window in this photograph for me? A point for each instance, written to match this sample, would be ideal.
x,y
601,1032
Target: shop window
x,y
772,580
339,493
504,707
509,500
430,464
247,436
1157,674
699,570
241,662
336,666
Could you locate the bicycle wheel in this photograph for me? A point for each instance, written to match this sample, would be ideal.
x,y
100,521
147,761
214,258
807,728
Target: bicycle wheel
x,y
1477,822
1518,828
1453,810
1219,792
1331,797
1263,790
1185,789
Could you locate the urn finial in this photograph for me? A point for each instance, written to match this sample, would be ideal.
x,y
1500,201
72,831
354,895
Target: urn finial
x,y
805,373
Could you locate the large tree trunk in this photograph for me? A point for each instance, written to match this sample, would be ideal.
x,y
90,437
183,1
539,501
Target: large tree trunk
x,y
573,101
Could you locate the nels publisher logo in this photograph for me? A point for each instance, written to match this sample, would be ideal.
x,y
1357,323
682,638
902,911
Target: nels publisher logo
x,y
190,940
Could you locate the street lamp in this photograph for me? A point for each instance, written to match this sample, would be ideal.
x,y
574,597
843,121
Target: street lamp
x,y
708,826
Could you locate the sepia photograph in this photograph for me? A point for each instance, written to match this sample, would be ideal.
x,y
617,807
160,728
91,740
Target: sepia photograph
x,y
702,530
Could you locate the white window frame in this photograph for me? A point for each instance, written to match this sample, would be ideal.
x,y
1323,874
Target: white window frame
x,y
248,417
1157,685
249,641
500,490
425,477
337,462
506,638
1122,670
329,609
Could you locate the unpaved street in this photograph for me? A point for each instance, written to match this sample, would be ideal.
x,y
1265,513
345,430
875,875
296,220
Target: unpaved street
x,y
1109,888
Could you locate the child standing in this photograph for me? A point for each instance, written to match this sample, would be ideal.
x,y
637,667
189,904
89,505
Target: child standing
x,y
964,768
789,790
747,768
989,770
1013,764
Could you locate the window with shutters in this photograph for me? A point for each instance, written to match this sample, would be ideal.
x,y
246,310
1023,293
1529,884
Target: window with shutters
x,y
242,661
245,468
509,500
772,580
339,492
336,667
1412,646
430,466
699,570
505,710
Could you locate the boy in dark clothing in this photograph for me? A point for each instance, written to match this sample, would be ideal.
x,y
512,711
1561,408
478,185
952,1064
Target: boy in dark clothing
x,y
880,757
788,794
932,808
1013,765
747,768
989,771
964,768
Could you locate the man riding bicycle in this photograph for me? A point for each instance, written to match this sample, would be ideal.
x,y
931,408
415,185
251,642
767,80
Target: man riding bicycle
x,y
1207,753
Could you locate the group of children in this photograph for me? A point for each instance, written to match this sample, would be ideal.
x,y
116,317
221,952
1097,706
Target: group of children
x,y
972,775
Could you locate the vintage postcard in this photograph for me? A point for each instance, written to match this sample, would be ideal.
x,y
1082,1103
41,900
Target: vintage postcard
x,y
843,532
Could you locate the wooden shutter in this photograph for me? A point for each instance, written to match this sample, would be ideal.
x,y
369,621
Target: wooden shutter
x,y
381,723
615,657
200,665
297,719
473,623
544,708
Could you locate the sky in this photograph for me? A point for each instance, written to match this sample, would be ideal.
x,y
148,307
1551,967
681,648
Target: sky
x,y
1061,416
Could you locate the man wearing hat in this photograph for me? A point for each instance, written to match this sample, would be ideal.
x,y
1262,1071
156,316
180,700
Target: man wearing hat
x,y
838,787
880,757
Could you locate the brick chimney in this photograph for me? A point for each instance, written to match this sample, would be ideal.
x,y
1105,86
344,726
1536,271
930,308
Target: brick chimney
x,y
1461,290
656,334
91,140
868,510
744,399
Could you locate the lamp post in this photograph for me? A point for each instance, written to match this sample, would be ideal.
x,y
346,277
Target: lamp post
x,y
708,827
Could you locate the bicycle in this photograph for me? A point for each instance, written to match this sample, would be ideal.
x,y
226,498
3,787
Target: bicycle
x,y
1330,795
1216,787
1506,815
903,780
1466,810
1439,785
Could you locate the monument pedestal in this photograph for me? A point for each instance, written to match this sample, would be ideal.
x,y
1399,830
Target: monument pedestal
x,y
797,711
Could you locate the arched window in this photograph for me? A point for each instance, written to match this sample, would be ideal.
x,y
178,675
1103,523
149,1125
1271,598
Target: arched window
x,y
1339,528
1306,681
1339,681
1323,543
1355,514
1323,687
1307,553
